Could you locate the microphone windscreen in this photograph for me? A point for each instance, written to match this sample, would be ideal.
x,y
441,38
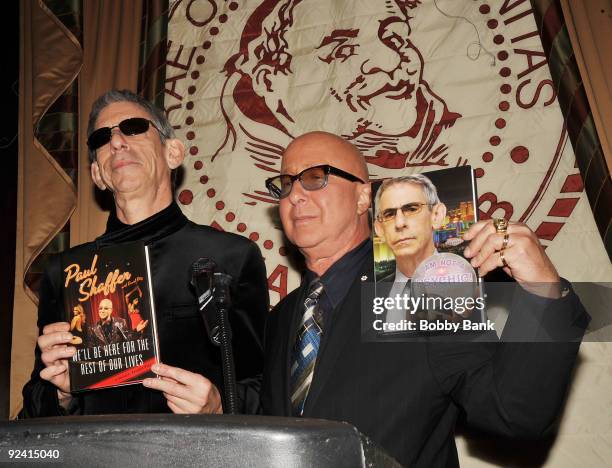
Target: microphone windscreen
x,y
203,264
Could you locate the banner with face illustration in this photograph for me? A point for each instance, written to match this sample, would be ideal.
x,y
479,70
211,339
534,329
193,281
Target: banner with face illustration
x,y
416,85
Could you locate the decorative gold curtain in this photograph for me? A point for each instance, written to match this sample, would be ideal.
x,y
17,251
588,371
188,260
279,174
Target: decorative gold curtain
x,y
50,59
589,25
111,38
568,35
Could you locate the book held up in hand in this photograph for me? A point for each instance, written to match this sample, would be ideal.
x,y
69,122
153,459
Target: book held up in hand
x,y
420,268
108,301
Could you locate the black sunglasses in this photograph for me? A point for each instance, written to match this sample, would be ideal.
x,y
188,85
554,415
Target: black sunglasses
x,y
129,127
313,178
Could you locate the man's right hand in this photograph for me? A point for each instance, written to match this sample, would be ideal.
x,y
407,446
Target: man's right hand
x,y
55,349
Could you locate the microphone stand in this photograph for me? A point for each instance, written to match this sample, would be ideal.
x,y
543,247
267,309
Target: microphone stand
x,y
223,302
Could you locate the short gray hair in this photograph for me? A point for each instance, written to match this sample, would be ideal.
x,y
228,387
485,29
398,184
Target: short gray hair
x,y
429,189
156,115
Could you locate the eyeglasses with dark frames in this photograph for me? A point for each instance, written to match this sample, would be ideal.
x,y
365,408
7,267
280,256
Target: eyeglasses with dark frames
x,y
129,127
408,210
312,178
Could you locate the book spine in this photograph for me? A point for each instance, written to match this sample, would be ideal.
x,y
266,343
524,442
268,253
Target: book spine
x,y
152,304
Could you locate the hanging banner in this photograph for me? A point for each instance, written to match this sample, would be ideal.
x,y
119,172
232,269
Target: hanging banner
x,y
416,85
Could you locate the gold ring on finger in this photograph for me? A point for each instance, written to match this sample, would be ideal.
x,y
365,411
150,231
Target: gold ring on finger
x,y
501,256
501,225
506,240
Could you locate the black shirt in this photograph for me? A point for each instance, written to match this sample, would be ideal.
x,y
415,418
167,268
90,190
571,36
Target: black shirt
x,y
338,279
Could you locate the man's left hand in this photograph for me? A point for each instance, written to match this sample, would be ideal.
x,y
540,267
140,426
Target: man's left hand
x,y
525,258
185,392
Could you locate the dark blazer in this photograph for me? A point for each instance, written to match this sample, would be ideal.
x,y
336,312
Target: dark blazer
x,y
119,332
406,396
175,243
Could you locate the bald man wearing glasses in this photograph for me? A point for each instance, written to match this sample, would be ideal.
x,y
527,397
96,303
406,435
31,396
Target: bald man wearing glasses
x,y
405,396
133,152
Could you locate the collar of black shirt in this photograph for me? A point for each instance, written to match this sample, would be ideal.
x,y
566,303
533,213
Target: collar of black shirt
x,y
161,224
338,279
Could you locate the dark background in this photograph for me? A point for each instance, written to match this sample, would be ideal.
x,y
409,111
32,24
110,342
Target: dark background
x,y
9,37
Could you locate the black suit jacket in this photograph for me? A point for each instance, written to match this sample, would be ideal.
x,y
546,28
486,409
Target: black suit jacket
x,y
406,396
119,332
175,243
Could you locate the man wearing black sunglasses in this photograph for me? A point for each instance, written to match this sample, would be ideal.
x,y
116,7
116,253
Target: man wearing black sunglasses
x,y
404,396
133,151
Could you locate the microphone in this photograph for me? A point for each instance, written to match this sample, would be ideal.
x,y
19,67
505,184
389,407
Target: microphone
x,y
223,304
221,290
119,326
202,280
214,300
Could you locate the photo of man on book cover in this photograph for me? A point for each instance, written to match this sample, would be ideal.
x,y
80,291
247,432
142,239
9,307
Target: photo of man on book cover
x,y
436,209
419,221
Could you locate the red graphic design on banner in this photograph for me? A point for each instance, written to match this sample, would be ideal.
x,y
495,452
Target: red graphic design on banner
x,y
415,85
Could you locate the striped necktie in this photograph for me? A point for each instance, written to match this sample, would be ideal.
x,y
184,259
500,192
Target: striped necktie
x,y
306,348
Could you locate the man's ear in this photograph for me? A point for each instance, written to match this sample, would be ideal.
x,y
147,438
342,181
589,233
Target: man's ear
x,y
96,176
379,230
174,152
437,215
364,198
